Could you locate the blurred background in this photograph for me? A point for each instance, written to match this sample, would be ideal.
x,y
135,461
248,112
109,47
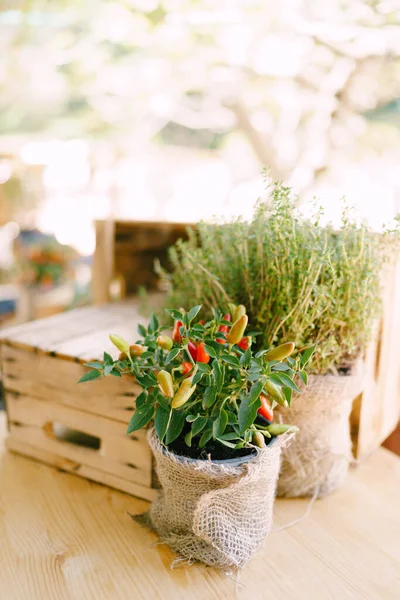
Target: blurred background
x,y
165,111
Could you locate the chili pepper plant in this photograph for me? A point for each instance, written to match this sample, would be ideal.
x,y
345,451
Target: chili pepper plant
x,y
209,393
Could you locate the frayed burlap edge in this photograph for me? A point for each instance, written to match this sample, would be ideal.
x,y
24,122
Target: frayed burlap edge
x,y
214,513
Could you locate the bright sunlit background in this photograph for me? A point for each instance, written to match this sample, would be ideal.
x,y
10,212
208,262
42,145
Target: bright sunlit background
x,y
167,110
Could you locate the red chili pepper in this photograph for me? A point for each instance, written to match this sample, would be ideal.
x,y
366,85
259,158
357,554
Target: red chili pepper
x,y
193,350
244,343
176,336
224,329
202,322
265,409
202,355
185,368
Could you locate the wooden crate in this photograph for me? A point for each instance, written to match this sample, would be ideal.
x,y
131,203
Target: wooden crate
x,y
126,251
77,428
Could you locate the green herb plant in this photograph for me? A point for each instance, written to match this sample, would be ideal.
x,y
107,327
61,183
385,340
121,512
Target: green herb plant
x,y
303,282
214,398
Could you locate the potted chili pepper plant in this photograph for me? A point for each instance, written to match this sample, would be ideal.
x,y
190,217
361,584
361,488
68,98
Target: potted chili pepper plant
x,y
216,446
301,281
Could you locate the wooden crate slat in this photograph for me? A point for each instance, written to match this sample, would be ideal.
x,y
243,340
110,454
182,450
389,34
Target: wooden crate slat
x,y
62,463
31,420
47,377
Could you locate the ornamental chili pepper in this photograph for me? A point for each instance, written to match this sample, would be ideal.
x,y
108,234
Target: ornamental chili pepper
x,y
202,354
224,329
165,342
239,312
165,383
192,350
184,392
265,409
176,335
275,392
119,343
237,331
258,439
185,368
245,343
280,352
136,350
279,428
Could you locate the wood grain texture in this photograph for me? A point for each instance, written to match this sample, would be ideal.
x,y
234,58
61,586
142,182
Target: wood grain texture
x,y
64,538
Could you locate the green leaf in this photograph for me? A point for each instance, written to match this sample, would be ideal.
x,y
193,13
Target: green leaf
x,y
231,360
141,417
276,378
203,367
154,324
175,314
162,401
146,380
108,369
175,426
229,436
288,382
95,364
218,371
191,418
141,399
304,377
142,330
247,413
307,354
90,376
197,376
209,396
226,443
115,372
193,312
210,350
172,354
205,437
161,422
281,367
199,425
288,392
188,439
255,392
246,358
108,360
220,424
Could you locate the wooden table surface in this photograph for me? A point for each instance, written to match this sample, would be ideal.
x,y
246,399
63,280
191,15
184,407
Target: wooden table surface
x,y
62,537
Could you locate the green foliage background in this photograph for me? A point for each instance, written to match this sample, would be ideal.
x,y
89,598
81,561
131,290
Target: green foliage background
x,y
299,281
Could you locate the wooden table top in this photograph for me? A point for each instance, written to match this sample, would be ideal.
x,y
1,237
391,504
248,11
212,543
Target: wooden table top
x,y
62,537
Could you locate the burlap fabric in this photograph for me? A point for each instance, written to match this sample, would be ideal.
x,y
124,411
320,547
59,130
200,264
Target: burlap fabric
x,y
211,512
317,461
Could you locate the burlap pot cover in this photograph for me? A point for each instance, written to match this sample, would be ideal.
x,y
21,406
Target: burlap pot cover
x,y
317,461
211,512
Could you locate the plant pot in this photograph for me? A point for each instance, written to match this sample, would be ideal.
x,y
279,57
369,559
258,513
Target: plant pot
x,y
216,512
317,462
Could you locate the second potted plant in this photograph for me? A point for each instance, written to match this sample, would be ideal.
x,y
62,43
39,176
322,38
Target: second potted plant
x,y
217,450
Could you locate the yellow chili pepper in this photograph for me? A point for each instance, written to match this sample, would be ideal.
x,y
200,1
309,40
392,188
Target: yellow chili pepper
x,y
237,330
278,429
184,392
258,439
280,352
239,312
165,383
165,342
275,392
119,343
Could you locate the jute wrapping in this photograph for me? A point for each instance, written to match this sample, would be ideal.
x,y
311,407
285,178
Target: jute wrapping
x,y
211,512
317,461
